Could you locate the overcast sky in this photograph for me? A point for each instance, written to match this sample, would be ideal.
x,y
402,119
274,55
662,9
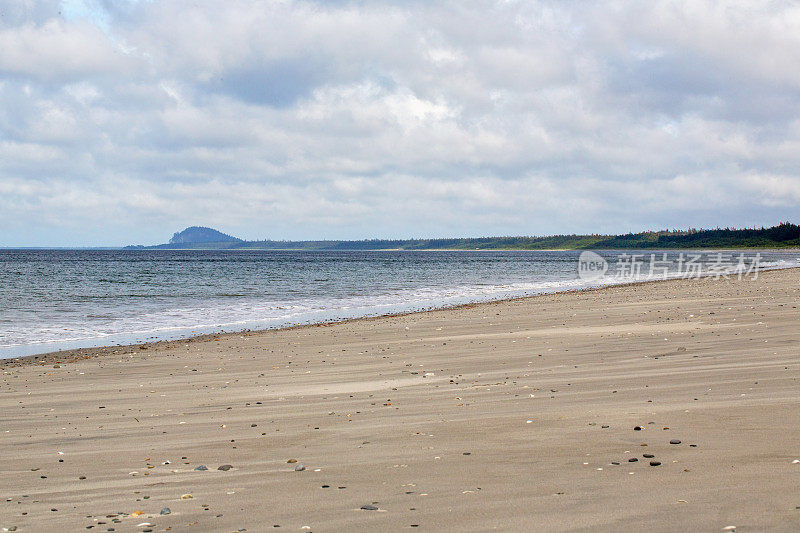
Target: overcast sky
x,y
124,121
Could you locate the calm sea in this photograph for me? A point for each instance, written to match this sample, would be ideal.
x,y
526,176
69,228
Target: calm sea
x,y
58,299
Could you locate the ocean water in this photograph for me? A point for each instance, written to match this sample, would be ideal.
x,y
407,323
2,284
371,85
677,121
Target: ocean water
x,y
57,299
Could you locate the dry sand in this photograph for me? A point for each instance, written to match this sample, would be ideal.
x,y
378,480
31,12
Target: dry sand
x,y
500,416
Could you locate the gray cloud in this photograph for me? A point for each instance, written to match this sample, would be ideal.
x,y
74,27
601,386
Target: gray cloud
x,y
124,121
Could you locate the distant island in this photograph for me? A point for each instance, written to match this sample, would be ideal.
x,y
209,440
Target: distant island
x,y
785,235
201,235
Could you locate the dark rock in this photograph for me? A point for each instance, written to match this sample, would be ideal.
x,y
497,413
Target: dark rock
x,y
369,508
674,441
648,455
655,463
225,468
633,460
166,510
202,467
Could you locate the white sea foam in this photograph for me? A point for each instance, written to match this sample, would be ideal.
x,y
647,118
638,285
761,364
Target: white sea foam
x,y
131,321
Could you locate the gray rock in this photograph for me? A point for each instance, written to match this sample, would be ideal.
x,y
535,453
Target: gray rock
x,y
369,508
299,468
225,468
202,467
166,510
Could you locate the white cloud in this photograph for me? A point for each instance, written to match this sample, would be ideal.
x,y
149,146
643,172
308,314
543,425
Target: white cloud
x,y
389,119
56,50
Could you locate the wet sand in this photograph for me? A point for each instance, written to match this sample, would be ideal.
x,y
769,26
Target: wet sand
x,y
500,416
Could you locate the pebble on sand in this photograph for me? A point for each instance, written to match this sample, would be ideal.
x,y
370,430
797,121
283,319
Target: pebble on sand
x,y
369,508
166,510
225,468
299,468
674,441
202,467
655,463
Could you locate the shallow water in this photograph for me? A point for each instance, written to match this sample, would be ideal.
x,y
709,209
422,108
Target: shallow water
x,y
59,299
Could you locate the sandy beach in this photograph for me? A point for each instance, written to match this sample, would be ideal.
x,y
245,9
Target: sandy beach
x,y
517,415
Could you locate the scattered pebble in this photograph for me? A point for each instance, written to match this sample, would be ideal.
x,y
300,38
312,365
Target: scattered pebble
x,y
225,468
369,508
166,510
202,467
655,463
674,441
299,468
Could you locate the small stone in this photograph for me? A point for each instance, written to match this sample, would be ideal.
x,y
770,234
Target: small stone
x,y
225,468
292,461
186,496
655,463
674,441
299,468
648,455
166,510
633,460
637,428
369,508
202,467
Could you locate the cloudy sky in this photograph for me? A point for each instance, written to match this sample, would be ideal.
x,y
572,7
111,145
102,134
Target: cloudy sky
x,y
124,121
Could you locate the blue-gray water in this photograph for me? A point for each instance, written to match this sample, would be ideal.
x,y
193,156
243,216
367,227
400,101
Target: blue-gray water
x,y
57,299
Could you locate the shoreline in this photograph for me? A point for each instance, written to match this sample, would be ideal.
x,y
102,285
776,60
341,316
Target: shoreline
x,y
793,249
661,406
75,354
